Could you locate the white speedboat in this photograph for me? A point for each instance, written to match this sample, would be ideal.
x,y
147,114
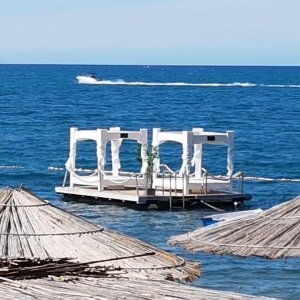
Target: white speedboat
x,y
88,79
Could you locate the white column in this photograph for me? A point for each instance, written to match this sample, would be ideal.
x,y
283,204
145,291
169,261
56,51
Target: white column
x,y
230,153
70,164
155,145
187,147
115,152
197,159
101,155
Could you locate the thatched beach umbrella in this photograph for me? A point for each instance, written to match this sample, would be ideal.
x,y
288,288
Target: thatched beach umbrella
x,y
274,233
110,289
33,232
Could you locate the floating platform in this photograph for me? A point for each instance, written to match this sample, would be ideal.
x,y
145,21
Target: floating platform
x,y
155,184
130,197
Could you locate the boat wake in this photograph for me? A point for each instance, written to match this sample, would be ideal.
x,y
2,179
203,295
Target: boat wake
x,y
141,83
122,82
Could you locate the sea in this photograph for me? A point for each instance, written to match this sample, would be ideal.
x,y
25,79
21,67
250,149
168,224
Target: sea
x,y
40,103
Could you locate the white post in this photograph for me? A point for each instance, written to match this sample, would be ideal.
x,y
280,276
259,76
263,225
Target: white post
x,y
101,155
197,159
155,145
72,155
230,155
115,152
144,146
187,146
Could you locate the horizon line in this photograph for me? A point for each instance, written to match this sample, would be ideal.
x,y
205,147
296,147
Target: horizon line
x,y
150,65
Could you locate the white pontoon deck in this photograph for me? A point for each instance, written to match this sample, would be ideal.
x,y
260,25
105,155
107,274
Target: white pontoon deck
x,y
162,185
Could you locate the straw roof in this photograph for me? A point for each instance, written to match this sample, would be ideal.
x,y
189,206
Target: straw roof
x,y
44,239
274,233
110,289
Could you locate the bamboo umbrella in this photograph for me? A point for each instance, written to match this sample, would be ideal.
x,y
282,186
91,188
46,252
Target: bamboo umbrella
x,y
110,289
41,238
273,233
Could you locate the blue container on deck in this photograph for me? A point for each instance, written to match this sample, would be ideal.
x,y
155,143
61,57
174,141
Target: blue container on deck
x,y
216,218
208,221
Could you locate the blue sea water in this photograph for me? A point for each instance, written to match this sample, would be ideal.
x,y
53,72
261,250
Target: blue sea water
x,y
39,103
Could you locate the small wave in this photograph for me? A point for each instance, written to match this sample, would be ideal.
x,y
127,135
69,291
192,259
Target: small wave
x,y
11,167
246,178
274,85
257,178
51,168
281,85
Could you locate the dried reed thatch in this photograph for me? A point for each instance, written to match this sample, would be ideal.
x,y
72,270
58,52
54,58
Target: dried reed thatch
x,y
274,233
38,239
110,289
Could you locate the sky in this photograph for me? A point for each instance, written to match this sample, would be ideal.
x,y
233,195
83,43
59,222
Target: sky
x,y
150,32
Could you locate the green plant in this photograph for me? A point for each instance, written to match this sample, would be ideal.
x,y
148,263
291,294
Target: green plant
x,y
152,154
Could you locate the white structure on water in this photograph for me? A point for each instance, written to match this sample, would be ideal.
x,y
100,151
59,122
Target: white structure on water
x,y
100,177
155,182
192,145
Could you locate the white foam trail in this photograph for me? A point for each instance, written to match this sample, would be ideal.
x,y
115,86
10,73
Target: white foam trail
x,y
141,83
87,80
91,80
